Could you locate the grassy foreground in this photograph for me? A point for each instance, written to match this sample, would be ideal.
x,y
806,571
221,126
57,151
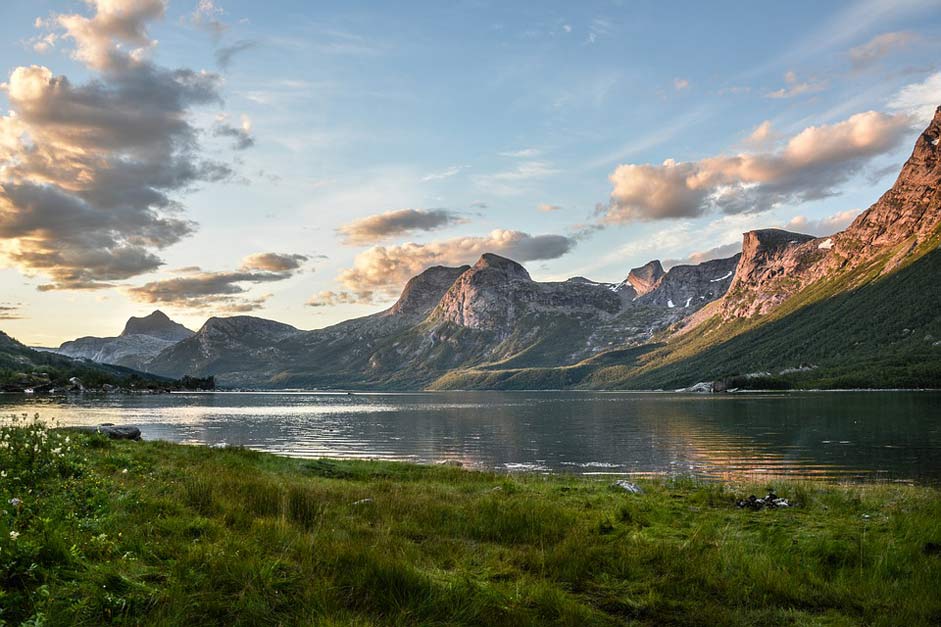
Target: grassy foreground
x,y
155,533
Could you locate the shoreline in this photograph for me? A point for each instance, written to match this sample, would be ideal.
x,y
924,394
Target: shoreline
x,y
370,392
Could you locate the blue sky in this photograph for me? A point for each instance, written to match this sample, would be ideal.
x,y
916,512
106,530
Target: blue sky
x,y
500,116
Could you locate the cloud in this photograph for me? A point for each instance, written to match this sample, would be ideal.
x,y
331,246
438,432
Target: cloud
x,y
508,182
763,135
101,41
919,99
719,252
87,172
375,228
245,305
274,262
796,88
523,153
382,271
879,47
10,311
225,54
823,226
680,84
329,298
809,166
242,134
199,289
436,176
208,17
546,208
598,28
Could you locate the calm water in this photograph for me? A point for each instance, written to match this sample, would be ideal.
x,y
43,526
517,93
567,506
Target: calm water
x,y
885,436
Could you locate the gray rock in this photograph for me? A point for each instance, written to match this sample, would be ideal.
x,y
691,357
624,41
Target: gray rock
x,y
703,387
114,432
627,486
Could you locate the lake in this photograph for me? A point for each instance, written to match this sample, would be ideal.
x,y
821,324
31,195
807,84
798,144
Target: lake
x,y
852,436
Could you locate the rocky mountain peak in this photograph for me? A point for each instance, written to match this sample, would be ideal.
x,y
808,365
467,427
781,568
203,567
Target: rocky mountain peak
x,y
242,325
769,241
157,325
687,287
762,251
422,292
912,207
509,268
646,278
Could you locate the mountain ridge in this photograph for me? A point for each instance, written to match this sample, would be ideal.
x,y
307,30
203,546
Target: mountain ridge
x,y
491,325
141,340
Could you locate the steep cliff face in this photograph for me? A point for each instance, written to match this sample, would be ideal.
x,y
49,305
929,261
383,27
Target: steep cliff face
x,y
646,278
423,292
157,325
496,292
770,270
912,207
776,264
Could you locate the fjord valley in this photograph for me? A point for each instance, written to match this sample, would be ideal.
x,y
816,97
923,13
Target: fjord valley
x,y
852,309
470,313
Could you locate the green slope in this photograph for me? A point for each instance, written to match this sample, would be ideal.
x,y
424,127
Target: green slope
x,y
22,367
856,330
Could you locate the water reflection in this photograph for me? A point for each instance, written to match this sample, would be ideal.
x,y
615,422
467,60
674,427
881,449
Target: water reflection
x,y
865,436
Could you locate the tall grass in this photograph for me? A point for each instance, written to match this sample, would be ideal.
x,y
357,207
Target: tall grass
x,y
202,536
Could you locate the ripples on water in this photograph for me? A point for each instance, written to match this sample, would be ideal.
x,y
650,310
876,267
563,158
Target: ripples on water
x,y
838,436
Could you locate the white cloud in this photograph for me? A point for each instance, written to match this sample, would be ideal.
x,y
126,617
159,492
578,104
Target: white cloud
x,y
208,16
444,174
795,88
879,47
523,153
88,171
378,227
513,180
695,258
810,165
680,84
822,226
382,271
919,99
100,40
762,135
224,291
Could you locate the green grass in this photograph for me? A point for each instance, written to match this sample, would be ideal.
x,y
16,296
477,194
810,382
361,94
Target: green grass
x,y
191,535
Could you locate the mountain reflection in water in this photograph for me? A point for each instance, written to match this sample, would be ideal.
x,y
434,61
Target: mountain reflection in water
x,y
838,436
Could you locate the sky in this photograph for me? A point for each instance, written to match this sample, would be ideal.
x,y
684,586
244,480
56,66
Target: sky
x,y
300,161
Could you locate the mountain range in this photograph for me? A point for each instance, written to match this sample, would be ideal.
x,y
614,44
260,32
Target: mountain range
x,y
141,340
858,308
